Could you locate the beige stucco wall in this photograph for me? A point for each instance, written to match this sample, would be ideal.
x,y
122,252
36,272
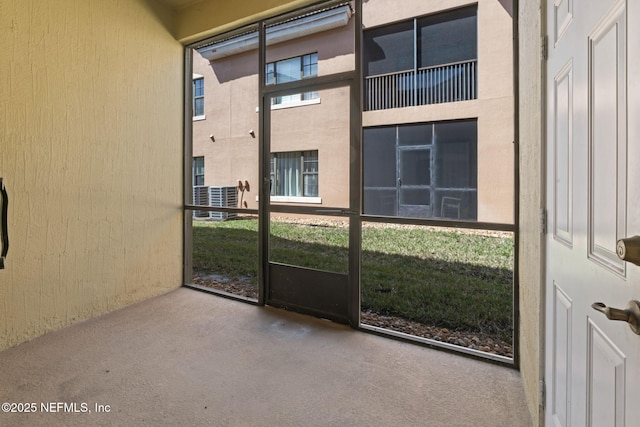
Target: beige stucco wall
x,y
493,108
231,100
90,151
233,155
531,201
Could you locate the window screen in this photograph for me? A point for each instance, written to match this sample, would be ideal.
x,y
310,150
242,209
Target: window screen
x,y
456,161
425,170
448,37
388,49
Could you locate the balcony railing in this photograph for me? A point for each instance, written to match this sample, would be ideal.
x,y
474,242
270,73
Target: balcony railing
x,y
430,85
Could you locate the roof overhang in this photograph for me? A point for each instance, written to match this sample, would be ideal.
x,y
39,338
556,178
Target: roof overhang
x,y
309,24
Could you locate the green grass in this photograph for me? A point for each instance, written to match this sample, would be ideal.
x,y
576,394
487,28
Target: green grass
x,y
229,248
443,278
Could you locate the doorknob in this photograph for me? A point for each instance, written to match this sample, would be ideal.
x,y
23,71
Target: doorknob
x,y
629,249
631,314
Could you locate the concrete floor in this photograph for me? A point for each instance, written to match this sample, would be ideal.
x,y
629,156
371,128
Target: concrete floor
x,y
192,359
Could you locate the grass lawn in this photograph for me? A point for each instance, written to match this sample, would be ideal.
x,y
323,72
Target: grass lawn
x,y
456,280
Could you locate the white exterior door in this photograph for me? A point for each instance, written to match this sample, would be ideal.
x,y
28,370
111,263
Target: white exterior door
x,y
592,364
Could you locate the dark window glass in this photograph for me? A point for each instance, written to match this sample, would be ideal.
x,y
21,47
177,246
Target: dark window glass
x,y
270,74
448,37
198,97
380,157
310,65
427,170
310,173
415,134
456,161
388,49
198,171
415,167
415,196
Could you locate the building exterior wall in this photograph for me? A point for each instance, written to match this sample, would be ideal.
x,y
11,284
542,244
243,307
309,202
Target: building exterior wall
x,y
231,100
233,154
493,107
90,153
231,111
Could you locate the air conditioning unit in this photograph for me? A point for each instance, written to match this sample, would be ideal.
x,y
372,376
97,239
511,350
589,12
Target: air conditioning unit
x,y
201,197
223,197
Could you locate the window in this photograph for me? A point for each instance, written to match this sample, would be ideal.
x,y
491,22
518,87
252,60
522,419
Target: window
x,y
198,171
294,174
447,38
388,49
198,97
290,70
427,60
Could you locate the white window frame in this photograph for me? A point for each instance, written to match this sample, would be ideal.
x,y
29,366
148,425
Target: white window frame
x,y
193,170
193,100
313,63
298,199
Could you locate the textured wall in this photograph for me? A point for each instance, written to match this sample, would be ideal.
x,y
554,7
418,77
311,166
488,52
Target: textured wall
x,y
90,150
230,102
531,149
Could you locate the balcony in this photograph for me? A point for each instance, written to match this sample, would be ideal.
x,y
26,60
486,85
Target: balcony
x,y
430,85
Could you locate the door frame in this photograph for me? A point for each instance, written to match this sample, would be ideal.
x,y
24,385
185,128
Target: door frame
x,y
352,81
357,219
332,304
400,150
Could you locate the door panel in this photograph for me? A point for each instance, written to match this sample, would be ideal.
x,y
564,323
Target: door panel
x,y
606,380
592,363
309,235
414,183
607,123
562,312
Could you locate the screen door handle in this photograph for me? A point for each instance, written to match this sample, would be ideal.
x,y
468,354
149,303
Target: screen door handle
x,y
631,314
4,231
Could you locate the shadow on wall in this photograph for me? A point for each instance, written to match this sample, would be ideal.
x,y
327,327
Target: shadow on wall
x,y
508,6
246,64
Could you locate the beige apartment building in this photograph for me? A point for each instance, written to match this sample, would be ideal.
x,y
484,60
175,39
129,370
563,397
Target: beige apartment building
x,y
437,102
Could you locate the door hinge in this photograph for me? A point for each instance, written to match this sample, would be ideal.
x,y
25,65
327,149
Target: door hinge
x,y
544,47
543,221
542,391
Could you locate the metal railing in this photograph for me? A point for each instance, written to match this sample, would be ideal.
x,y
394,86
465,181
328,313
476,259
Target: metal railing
x,y
430,85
